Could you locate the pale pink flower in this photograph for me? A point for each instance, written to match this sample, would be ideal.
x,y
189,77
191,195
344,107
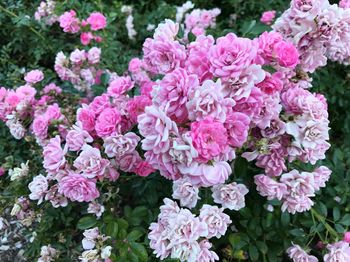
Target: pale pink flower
x,y
93,55
164,163
269,188
187,193
156,127
100,103
40,126
231,55
76,187
135,65
90,162
252,105
119,145
53,112
166,30
107,122
208,175
321,176
77,137
38,188
216,220
267,17
209,138
96,209
90,237
96,21
230,196
54,155
208,101
47,254
77,57
297,254
267,42
163,56
206,255
34,76
57,199
338,252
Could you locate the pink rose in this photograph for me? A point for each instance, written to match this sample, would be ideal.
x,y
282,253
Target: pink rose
x,y
38,188
86,37
136,106
87,118
267,17
96,21
77,137
53,112
144,169
231,55
40,126
119,145
34,76
209,138
187,193
69,22
129,162
269,188
344,4
100,103
90,162
237,126
287,55
107,121
54,155
230,196
120,86
78,188
216,220
93,55
135,65
271,84
346,237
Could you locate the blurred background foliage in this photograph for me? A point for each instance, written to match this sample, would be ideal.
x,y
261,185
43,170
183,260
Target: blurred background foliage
x,y
259,234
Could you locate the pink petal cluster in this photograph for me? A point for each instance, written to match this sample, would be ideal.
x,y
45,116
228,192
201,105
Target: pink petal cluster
x,y
339,251
230,196
296,253
267,17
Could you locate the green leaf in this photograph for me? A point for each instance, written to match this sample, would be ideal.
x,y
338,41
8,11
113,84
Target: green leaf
x,y
336,214
285,219
253,253
339,228
122,223
112,229
262,247
139,250
86,222
105,79
345,220
298,232
98,89
134,235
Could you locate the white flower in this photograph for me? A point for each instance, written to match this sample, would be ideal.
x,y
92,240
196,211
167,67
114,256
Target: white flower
x,y
106,252
89,256
16,209
17,172
38,188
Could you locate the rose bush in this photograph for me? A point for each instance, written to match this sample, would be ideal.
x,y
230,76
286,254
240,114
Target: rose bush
x,y
159,131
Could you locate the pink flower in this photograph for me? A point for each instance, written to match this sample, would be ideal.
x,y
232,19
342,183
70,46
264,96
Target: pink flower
x,y
96,21
112,174
206,255
2,171
52,88
144,169
129,162
321,176
119,145
136,106
135,65
187,193
86,37
198,62
237,126
346,237
272,84
267,17
216,220
230,196
173,91
267,42
77,137
231,55
287,55
164,163
34,76
120,86
54,155
69,22
166,30
93,55
38,188
90,162
339,251
78,188
100,103
208,175
344,4
40,126
77,56
87,117
53,112
208,101
296,253
163,56
274,161
107,121
252,105
156,128
269,188
209,138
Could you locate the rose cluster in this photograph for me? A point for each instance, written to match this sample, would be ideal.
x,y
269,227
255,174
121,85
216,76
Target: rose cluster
x,y
319,30
46,12
70,23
